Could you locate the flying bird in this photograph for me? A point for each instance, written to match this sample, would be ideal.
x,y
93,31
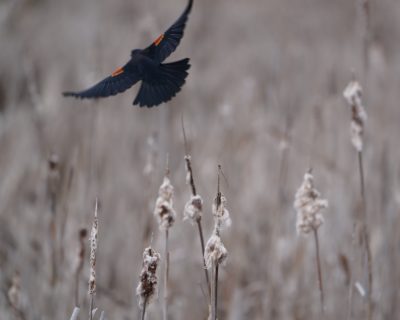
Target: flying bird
x,y
160,81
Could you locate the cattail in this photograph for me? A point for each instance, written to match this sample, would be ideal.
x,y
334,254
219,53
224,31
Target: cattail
x,y
309,204
220,213
215,252
353,95
165,214
93,249
148,284
164,210
193,209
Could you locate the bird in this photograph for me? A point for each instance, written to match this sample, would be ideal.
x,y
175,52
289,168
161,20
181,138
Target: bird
x,y
160,82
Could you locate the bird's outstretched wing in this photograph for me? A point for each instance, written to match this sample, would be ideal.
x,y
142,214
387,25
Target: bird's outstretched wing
x,y
167,43
119,81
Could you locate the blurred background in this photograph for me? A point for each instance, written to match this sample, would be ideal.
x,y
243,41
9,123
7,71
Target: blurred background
x,y
263,99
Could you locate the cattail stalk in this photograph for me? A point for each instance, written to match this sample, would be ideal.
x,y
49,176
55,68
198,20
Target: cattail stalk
x,y
93,249
166,276
194,207
215,251
309,204
166,217
318,261
353,96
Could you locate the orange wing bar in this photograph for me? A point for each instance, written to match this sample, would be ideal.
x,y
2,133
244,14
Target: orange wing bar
x,y
117,72
159,39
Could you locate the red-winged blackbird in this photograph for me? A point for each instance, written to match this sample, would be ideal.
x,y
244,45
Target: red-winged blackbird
x,y
160,81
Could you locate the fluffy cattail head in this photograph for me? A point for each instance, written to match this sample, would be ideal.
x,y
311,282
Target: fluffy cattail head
x,y
309,204
93,249
353,96
221,214
164,210
215,252
148,288
193,209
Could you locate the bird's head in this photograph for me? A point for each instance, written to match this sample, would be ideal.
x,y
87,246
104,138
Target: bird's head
x,y
135,52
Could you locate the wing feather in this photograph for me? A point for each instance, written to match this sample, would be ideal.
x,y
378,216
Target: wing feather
x,y
167,43
109,86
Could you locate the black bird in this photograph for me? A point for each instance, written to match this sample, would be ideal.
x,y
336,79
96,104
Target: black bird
x,y
160,81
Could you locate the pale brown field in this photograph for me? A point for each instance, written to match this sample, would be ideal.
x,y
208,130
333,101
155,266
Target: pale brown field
x,y
263,99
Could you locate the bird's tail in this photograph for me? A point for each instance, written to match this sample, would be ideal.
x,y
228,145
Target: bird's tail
x,y
168,82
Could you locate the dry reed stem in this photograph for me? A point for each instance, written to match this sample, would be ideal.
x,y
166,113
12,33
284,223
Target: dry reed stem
x,y
194,194
144,309
365,235
166,276
214,292
318,261
215,251
165,214
353,95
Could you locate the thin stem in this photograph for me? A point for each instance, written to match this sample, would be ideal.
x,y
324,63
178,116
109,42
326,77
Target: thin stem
x,y
351,280
361,170
91,307
365,234
202,254
144,310
213,292
166,274
216,291
194,193
318,260
189,168
77,289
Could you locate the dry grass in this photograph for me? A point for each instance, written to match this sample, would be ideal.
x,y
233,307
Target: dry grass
x,y
263,99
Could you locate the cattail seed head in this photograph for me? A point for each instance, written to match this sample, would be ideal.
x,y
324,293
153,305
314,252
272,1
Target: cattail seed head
x,y
164,210
148,284
353,96
93,249
309,204
215,252
193,209
221,214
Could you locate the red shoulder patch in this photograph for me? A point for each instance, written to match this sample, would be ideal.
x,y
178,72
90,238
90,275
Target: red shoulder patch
x,y
158,40
117,72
